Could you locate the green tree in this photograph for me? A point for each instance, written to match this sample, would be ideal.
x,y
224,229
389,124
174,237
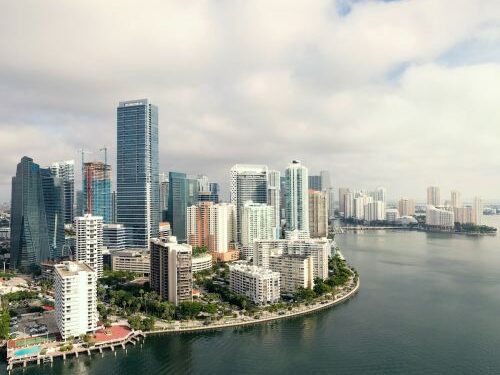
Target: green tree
x,y
4,324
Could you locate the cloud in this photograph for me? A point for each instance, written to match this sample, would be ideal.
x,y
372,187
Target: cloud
x,y
398,93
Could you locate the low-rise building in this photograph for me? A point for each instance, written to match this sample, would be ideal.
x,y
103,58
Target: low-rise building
x,y
201,262
259,284
391,215
137,261
75,287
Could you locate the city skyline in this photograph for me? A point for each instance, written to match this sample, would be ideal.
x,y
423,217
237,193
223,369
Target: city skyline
x,y
406,110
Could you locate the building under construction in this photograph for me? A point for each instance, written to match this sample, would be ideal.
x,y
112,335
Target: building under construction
x,y
96,190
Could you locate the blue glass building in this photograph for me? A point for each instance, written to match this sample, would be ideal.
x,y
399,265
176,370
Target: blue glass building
x,y
137,184
29,232
53,197
97,186
183,192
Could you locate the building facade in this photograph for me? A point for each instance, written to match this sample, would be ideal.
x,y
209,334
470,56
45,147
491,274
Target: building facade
x,y
29,232
260,285
273,199
318,213
89,241
439,217
256,224
297,198
406,207
114,237
137,261
248,183
75,289
296,271
433,196
171,270
137,184
65,170
96,190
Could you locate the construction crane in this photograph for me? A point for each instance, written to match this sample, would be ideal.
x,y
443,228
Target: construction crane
x,y
105,149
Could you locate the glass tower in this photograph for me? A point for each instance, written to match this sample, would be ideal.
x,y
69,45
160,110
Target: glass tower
x,y
137,184
53,196
97,188
183,192
29,233
65,170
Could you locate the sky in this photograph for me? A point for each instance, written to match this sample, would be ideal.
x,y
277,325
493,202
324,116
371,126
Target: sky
x,y
403,94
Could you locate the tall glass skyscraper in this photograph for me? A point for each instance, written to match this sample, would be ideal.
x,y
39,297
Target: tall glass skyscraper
x,y
96,190
65,170
29,233
137,184
297,198
248,183
53,196
183,192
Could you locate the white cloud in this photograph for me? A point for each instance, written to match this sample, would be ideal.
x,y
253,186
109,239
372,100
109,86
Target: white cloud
x,y
366,95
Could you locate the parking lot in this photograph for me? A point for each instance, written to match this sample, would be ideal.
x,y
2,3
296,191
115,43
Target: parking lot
x,y
36,324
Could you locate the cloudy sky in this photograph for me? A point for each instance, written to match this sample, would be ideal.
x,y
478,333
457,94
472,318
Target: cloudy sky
x,y
403,94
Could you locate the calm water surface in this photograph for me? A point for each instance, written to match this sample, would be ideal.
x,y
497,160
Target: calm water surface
x,y
428,304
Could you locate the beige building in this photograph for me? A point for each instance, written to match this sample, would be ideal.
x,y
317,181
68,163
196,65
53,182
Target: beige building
x,y
318,213
136,261
259,284
406,207
295,271
433,196
171,270
201,262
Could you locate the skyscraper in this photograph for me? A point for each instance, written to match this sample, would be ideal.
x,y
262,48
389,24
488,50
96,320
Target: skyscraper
x,y
163,196
433,196
96,190
456,199
53,197
406,207
256,224
315,183
326,182
138,192
342,192
248,183
171,270
273,199
29,232
183,192
379,194
477,211
297,199
318,213
65,170
89,241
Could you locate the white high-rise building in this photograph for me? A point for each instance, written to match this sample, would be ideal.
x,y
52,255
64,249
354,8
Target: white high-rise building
x,y
477,211
374,211
273,199
406,207
89,241
359,205
222,226
75,287
434,196
456,199
248,183
438,217
297,199
256,223
379,194
259,284
348,205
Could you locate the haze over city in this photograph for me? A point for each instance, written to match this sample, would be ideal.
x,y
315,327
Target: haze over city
x,y
398,93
